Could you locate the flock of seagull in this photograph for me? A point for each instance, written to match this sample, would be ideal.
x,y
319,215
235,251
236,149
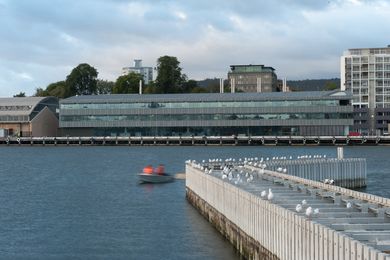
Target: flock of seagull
x,y
235,176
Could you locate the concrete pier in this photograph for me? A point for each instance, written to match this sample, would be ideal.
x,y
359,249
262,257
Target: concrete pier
x,y
199,140
348,224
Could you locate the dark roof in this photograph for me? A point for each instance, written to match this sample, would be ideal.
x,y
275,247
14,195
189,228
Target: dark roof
x,y
199,97
251,65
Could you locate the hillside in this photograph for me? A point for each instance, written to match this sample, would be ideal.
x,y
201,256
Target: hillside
x,y
295,85
313,84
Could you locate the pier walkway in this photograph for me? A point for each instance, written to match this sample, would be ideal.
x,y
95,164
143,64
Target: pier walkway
x,y
198,140
340,224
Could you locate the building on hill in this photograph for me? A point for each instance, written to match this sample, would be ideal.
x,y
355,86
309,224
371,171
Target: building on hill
x,y
29,116
146,72
366,73
211,114
252,78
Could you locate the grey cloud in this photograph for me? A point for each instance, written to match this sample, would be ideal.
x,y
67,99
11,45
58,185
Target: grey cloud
x,y
45,38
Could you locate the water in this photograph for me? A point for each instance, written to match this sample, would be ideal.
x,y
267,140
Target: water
x,y
86,203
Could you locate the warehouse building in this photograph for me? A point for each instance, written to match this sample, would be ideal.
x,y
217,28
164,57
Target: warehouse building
x,y
28,116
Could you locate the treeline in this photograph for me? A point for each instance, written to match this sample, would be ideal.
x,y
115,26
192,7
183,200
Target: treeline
x,y
314,84
83,80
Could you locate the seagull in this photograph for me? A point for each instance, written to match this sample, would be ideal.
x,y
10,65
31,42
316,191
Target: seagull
x,y
304,203
349,205
309,212
284,170
298,208
263,194
326,181
224,176
270,194
316,211
331,182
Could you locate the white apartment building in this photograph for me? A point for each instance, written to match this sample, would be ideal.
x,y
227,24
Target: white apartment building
x,y
146,72
366,73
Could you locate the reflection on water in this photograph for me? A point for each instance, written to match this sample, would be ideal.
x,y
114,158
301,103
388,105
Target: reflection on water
x,y
86,202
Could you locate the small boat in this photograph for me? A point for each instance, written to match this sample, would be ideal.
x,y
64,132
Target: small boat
x,y
155,178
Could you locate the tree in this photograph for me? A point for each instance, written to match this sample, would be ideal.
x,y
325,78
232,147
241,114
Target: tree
x,y
40,92
21,94
189,85
127,83
199,90
82,80
104,86
330,85
58,89
169,78
150,88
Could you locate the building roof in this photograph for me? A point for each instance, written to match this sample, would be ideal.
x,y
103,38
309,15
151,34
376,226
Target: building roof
x,y
21,105
209,97
250,68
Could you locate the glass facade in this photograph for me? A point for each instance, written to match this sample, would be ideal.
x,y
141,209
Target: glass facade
x,y
193,117
161,115
183,105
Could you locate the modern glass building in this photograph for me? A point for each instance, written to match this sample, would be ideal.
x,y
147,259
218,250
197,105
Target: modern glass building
x,y
277,113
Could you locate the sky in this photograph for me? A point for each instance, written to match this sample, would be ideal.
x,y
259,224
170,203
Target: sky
x,y
41,41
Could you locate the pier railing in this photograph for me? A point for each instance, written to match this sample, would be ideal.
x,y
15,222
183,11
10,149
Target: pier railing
x,y
197,140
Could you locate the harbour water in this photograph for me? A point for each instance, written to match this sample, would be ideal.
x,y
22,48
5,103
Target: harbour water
x,y
86,203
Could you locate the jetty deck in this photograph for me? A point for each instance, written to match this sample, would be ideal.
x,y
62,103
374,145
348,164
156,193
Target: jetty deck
x,y
349,224
198,140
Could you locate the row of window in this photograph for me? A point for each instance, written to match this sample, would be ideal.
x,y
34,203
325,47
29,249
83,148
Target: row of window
x,y
364,59
14,118
143,105
219,131
364,83
15,108
192,117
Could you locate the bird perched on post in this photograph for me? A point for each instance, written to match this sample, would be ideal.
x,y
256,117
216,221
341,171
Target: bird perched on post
x,y
309,212
270,194
263,194
298,208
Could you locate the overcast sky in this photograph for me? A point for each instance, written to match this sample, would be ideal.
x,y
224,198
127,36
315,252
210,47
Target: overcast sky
x,y
42,40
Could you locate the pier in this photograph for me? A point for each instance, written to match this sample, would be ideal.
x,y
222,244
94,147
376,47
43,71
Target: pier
x,y
198,140
341,223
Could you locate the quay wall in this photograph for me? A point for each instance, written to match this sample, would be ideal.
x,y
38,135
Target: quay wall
x,y
197,140
260,229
